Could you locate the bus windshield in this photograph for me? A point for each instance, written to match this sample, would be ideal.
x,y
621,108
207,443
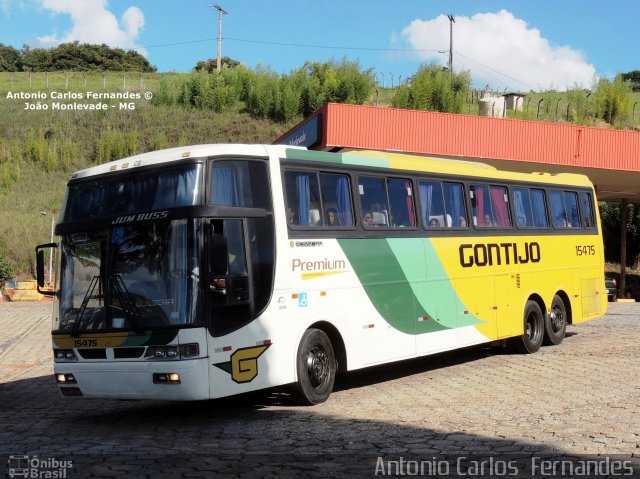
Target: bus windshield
x,y
130,277
135,193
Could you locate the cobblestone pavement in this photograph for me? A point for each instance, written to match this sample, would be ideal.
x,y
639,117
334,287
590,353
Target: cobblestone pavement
x,y
478,408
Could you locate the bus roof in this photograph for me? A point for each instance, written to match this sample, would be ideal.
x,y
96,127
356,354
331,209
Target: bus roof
x,y
401,161
180,153
375,159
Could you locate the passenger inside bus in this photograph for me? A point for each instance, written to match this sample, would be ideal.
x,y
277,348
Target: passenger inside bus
x,y
332,217
291,217
561,220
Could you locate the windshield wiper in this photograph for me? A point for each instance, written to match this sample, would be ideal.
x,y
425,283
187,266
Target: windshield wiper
x,y
119,290
89,295
129,307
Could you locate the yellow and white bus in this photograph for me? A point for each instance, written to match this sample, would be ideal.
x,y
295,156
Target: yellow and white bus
x,y
212,270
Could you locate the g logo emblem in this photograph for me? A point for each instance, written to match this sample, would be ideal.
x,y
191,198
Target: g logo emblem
x,y
243,364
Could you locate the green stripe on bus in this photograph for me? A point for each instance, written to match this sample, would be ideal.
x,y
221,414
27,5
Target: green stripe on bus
x,y
337,158
386,284
433,290
310,155
394,277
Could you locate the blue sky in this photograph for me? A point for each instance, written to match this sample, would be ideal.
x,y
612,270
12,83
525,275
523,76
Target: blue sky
x,y
517,45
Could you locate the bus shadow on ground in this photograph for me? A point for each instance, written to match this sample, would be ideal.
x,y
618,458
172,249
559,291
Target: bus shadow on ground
x,y
238,437
44,389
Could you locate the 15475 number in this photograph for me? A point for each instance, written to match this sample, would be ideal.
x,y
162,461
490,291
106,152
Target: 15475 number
x,y
586,250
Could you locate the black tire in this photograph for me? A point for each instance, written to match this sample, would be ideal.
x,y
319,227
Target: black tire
x,y
533,335
316,367
555,324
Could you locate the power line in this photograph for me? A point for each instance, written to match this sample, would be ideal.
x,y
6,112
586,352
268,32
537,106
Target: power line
x,y
159,45
302,45
496,71
333,47
340,47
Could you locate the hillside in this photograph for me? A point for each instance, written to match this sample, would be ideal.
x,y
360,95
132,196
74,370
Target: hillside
x,y
40,149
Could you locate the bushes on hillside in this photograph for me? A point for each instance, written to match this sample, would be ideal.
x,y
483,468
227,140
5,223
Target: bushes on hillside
x,y
265,94
434,89
6,271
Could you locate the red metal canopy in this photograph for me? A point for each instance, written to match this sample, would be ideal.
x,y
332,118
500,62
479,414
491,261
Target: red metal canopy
x,y
611,158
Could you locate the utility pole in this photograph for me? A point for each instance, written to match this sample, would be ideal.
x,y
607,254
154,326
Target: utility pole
x,y
451,22
221,12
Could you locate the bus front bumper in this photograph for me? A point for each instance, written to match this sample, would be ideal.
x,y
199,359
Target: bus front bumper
x,y
164,380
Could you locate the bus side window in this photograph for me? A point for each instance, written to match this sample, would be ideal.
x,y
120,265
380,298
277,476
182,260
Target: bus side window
x,y
522,207
455,207
431,204
558,210
539,208
481,205
564,208
373,201
500,206
571,204
586,203
336,200
401,199
303,198
235,183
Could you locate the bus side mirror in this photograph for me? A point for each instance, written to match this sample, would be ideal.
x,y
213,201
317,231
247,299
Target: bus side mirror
x,y
219,254
40,267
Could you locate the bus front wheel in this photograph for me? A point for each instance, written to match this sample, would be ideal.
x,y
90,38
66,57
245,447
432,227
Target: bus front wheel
x,y
555,324
316,367
533,335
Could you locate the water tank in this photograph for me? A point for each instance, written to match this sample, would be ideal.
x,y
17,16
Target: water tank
x,y
492,106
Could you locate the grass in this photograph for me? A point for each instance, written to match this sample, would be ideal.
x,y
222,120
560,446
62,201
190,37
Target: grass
x,y
79,81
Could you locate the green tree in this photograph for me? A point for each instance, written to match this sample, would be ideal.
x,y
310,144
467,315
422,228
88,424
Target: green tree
x,y
612,100
579,106
9,59
83,57
211,65
6,270
434,89
633,78
611,219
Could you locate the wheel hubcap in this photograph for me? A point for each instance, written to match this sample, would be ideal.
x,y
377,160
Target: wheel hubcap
x,y
318,366
557,319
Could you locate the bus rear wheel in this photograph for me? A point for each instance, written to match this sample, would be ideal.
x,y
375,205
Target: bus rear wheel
x,y
533,335
316,367
555,324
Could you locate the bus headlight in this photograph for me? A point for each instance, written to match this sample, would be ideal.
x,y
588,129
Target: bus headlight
x,y
64,355
190,350
184,351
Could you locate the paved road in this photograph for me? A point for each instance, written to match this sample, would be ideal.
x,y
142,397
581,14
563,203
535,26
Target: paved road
x,y
484,411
